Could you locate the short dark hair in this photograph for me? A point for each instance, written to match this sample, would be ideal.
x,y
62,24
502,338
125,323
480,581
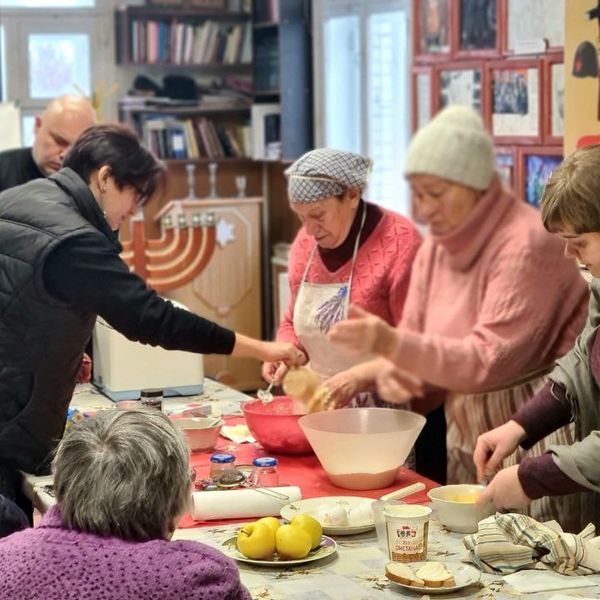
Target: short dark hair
x,y
572,194
118,147
123,473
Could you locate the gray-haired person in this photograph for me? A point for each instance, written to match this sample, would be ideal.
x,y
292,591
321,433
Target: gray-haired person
x,y
122,482
346,250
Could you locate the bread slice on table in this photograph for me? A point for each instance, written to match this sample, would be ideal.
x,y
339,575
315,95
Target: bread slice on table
x,y
435,574
401,573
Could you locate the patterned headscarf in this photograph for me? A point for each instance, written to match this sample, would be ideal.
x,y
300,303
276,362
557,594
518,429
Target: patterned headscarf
x,y
323,173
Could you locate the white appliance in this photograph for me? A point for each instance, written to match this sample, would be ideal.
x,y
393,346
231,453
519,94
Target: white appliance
x,y
122,368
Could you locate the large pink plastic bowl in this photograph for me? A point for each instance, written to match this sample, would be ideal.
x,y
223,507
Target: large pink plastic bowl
x,y
275,425
362,448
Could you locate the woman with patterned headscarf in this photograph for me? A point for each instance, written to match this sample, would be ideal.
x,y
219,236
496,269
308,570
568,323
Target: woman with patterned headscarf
x,y
347,250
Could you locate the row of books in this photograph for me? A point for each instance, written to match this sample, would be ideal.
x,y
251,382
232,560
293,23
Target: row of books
x,y
175,42
194,138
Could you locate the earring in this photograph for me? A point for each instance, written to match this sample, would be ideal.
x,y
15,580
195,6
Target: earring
x,y
103,190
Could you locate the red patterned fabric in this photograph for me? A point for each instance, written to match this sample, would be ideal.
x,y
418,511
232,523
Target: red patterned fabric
x,y
303,471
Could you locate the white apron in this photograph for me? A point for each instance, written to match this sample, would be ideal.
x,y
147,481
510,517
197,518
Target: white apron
x,y
318,306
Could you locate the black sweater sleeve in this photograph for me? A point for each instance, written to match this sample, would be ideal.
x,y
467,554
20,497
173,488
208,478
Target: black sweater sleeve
x,y
85,271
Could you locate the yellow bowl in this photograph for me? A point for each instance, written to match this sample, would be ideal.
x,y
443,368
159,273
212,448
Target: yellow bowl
x,y
455,506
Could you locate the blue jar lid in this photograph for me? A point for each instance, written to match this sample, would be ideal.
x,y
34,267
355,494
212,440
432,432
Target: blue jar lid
x,y
222,458
265,461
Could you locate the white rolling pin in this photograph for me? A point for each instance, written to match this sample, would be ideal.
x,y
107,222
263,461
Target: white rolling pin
x,y
404,491
242,503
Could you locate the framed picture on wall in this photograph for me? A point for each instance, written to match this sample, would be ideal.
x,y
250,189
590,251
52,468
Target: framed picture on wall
x,y
554,85
535,164
515,101
534,22
422,95
460,83
478,27
431,29
506,162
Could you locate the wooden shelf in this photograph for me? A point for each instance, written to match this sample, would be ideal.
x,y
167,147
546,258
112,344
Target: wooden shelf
x,y
183,110
228,68
222,159
185,13
266,25
272,92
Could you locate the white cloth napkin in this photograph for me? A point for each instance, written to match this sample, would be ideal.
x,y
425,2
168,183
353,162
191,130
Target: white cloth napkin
x,y
241,503
237,433
530,581
510,542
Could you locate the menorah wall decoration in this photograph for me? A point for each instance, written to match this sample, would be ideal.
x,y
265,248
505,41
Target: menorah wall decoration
x,y
180,254
208,258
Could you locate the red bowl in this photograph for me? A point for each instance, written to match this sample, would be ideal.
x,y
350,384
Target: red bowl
x,y
275,426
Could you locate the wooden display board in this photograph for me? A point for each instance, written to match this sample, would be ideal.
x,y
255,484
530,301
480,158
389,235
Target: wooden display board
x,y
229,289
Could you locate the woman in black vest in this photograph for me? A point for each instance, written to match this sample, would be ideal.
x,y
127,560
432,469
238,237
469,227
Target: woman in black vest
x,y
60,268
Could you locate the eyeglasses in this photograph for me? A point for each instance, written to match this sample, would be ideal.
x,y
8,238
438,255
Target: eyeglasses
x,y
142,196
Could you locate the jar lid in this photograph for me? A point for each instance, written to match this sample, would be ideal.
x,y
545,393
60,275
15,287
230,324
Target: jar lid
x,y
151,393
222,458
265,461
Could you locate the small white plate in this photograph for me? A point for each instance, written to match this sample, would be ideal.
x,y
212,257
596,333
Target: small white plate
x,y
327,547
464,575
311,507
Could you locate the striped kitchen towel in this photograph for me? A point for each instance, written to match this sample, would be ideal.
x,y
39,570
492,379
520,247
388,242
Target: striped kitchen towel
x,y
507,542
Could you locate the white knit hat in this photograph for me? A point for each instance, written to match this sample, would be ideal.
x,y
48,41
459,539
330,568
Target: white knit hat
x,y
454,145
326,172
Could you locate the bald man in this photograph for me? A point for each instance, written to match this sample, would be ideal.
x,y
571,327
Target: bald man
x,y
55,131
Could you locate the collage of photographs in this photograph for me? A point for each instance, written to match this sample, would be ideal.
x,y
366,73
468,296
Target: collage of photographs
x,y
477,53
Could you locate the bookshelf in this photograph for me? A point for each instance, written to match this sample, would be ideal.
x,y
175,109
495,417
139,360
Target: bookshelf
x,y
183,37
202,119
210,52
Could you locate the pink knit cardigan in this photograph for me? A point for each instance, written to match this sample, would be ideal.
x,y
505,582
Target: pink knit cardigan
x,y
492,301
381,273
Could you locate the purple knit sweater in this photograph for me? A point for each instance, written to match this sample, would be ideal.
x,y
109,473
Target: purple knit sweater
x,y
50,562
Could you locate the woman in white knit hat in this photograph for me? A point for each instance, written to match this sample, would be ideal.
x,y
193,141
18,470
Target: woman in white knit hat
x,y
346,250
492,300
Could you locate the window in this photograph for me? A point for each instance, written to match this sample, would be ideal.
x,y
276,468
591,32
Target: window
x,y
59,63
47,3
54,47
2,66
362,65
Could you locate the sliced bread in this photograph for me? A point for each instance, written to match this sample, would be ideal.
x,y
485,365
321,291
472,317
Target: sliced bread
x,y
435,574
401,573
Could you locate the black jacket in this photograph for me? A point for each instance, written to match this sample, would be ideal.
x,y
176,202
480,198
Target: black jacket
x,y
59,268
41,338
17,167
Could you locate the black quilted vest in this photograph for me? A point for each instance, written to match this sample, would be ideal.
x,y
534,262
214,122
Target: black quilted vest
x,y
41,339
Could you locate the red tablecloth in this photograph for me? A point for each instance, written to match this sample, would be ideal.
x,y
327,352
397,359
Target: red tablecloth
x,y
303,471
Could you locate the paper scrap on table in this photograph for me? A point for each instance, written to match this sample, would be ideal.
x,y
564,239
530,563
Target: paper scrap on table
x,y
529,581
242,503
237,433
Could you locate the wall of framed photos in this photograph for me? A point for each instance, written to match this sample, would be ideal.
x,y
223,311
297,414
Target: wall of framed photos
x,y
505,59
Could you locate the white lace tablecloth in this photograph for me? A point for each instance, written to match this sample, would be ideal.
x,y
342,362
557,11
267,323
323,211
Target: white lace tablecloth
x,y
222,399
356,571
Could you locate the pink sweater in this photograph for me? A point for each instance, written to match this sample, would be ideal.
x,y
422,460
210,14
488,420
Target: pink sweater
x,y
381,272
491,301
